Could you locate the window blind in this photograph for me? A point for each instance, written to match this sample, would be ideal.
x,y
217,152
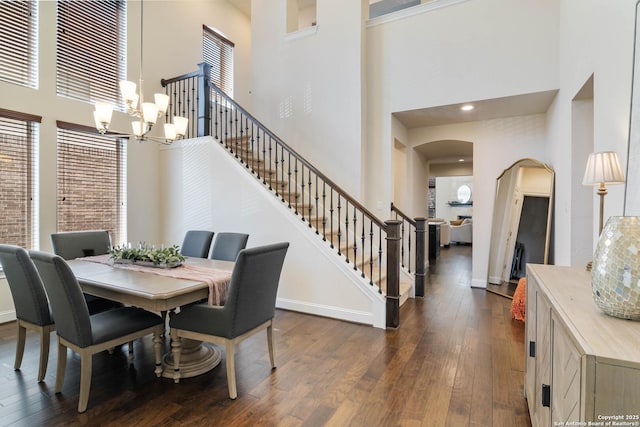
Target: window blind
x,y
19,42
91,182
217,51
91,50
19,177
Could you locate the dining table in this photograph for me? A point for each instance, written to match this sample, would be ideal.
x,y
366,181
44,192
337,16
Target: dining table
x,y
161,290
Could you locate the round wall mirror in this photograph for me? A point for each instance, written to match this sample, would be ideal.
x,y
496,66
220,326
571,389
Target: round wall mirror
x,y
464,194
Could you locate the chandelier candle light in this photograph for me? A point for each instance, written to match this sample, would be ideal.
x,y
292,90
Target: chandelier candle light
x,y
146,113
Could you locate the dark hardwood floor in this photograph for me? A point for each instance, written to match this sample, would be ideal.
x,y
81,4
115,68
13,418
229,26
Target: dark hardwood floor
x,y
456,360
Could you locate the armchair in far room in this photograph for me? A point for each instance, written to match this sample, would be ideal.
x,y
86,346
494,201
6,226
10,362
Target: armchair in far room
x,y
445,234
462,233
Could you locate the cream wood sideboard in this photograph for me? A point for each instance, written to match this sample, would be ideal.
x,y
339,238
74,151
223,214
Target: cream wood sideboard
x,y
581,365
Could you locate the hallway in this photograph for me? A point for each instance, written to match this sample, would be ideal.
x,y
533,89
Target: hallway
x,y
456,360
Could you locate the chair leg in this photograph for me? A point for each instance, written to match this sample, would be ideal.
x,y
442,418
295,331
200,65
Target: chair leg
x,y
62,366
45,335
270,344
157,348
130,352
86,359
22,336
231,369
176,350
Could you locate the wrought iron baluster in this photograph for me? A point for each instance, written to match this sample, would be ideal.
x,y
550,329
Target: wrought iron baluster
x,y
264,157
339,229
282,180
276,171
310,207
371,278
269,164
295,178
235,132
363,238
317,209
331,215
324,210
402,245
409,248
346,230
289,180
302,196
355,238
380,261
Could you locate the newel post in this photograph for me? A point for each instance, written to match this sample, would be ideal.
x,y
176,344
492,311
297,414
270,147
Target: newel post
x,y
393,273
204,99
420,271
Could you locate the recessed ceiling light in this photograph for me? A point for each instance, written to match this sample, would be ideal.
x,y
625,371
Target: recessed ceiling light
x,y
461,160
467,107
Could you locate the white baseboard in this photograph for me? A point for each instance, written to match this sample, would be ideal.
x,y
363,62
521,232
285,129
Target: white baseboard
x,y
327,311
7,316
478,283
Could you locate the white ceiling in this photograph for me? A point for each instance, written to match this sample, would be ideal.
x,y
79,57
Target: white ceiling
x,y
245,5
450,152
509,106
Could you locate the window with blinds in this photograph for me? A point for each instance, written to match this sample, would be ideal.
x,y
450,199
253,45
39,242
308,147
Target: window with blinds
x,y
19,177
19,42
217,51
91,50
91,182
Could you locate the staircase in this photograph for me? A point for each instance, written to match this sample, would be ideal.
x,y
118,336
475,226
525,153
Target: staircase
x,y
372,247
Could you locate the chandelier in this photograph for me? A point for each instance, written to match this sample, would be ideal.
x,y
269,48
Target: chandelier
x,y
145,114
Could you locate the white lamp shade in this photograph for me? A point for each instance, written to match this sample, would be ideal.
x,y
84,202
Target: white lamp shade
x,y
101,127
128,91
169,131
181,124
149,112
103,113
162,102
139,128
603,167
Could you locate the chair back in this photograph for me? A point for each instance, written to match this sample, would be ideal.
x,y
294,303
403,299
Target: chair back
x,y
66,298
77,244
27,290
196,243
254,285
227,246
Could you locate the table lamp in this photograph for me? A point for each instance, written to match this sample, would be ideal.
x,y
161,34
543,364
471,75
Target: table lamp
x,y
603,168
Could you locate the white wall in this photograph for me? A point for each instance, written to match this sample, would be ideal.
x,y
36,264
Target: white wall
x,y
600,42
307,89
528,47
208,189
447,191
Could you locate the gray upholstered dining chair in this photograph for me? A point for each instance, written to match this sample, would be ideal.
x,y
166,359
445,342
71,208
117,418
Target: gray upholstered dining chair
x,y
227,246
196,243
78,244
30,302
249,308
89,334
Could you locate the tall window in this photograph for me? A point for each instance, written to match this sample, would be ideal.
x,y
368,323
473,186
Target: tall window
x,y
92,47
91,182
19,42
19,178
217,51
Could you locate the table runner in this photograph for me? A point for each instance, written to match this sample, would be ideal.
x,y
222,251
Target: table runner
x,y
217,280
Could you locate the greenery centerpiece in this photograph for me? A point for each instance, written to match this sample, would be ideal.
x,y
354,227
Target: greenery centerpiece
x,y
148,256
